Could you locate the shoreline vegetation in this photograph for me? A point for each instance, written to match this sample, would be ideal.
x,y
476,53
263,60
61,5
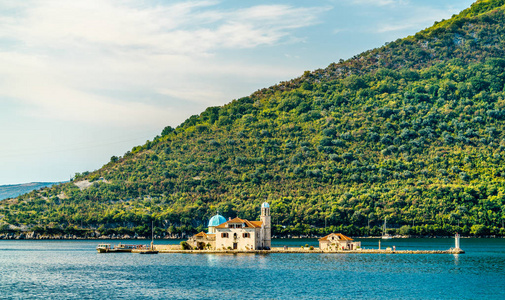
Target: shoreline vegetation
x,y
278,231
33,236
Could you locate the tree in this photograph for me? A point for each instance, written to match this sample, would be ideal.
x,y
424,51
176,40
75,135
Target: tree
x,y
167,130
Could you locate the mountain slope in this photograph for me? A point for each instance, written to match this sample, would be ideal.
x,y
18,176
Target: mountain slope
x,y
412,131
14,190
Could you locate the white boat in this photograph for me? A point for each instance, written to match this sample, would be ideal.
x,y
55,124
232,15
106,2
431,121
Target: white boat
x,y
385,235
108,248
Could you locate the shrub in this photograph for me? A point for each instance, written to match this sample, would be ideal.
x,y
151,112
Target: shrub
x,y
405,230
479,230
185,245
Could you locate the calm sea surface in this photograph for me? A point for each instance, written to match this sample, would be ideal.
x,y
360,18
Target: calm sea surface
x,y
74,270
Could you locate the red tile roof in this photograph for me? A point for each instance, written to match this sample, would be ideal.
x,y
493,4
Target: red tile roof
x,y
205,235
257,223
248,224
341,237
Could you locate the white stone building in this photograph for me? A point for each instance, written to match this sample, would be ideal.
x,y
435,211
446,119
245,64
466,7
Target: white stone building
x,y
241,234
238,234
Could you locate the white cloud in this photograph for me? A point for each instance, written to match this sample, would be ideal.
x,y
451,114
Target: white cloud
x,y
380,2
85,72
173,29
400,16
339,30
61,56
414,17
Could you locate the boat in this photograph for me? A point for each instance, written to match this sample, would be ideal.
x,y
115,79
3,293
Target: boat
x,y
108,248
385,235
104,248
127,248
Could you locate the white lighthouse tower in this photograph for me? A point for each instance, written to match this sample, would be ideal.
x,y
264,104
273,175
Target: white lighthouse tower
x,y
266,227
456,240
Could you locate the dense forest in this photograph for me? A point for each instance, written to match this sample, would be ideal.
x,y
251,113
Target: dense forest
x,y
413,132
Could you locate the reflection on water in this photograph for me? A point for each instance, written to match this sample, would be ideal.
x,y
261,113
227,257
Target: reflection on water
x,y
73,269
456,259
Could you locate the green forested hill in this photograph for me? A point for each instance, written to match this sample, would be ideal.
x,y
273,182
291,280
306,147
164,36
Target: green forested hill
x,y
413,131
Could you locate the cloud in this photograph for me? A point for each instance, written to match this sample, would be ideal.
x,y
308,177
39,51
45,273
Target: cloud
x,y
417,16
340,30
75,60
380,2
181,28
399,16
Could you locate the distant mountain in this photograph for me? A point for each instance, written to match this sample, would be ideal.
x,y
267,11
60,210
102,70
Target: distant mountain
x,y
413,131
15,190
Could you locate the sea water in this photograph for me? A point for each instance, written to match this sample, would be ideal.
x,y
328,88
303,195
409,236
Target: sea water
x,y
74,270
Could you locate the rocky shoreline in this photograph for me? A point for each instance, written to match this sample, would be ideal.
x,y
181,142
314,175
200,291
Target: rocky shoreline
x,y
36,236
98,236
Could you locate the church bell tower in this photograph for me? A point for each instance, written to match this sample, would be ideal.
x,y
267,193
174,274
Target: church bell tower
x,y
267,225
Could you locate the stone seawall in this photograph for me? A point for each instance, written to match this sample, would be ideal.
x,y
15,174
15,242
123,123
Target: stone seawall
x,y
162,249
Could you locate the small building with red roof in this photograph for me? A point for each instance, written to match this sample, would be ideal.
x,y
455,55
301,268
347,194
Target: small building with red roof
x,y
338,242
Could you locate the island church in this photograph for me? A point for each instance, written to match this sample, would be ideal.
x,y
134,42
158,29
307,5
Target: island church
x,y
237,233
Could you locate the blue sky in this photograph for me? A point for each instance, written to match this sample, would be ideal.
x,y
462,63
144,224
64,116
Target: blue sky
x,y
82,81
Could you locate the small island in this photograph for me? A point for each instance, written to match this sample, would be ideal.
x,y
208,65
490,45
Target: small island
x,y
239,235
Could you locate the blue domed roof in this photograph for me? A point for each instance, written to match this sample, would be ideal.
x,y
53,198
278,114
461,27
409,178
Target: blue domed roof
x,y
265,204
216,220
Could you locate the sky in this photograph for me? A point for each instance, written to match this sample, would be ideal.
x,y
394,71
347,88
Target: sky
x,y
81,81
